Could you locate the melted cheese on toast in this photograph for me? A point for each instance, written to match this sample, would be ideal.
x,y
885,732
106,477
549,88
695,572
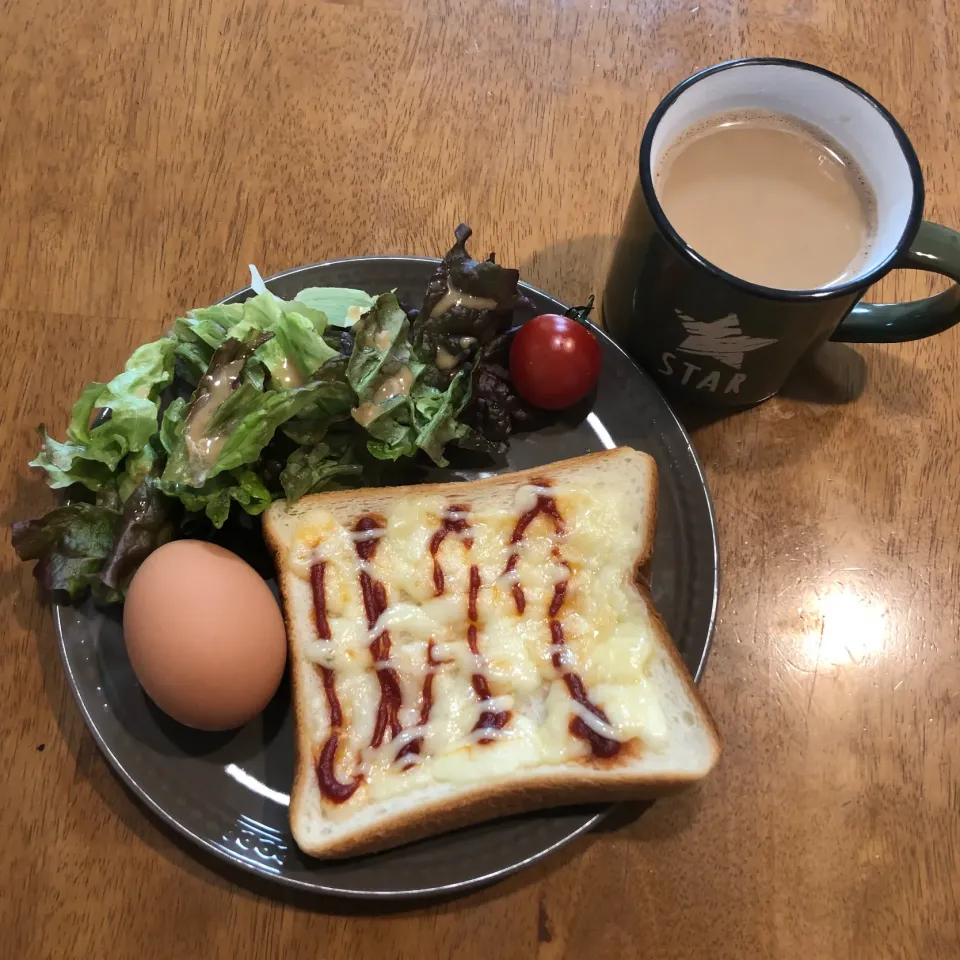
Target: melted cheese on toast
x,y
508,638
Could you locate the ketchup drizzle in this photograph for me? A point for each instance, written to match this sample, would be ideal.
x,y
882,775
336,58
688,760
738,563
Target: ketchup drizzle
x,y
454,521
600,745
330,787
473,594
547,506
519,600
374,605
367,546
318,573
426,703
375,601
488,719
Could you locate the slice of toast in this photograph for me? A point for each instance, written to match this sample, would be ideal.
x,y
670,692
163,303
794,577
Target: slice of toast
x,y
469,650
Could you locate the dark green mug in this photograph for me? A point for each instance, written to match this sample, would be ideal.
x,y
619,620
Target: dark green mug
x,y
707,335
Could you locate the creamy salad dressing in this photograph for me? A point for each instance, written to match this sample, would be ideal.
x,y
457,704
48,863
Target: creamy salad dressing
x,y
393,385
291,376
444,359
397,385
202,447
455,297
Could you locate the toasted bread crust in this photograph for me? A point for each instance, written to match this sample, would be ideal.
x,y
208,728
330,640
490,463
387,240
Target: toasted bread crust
x,y
369,500
525,791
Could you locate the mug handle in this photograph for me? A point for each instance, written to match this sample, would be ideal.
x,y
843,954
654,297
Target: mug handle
x,y
935,249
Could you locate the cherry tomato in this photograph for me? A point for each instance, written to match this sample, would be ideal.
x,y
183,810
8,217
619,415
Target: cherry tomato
x,y
554,361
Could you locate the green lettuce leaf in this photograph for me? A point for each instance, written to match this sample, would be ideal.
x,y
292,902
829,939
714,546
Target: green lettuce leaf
x,y
294,353
171,425
69,545
215,494
394,431
232,436
381,354
341,306
380,346
132,397
437,413
214,498
83,415
130,402
402,412
200,333
194,435
317,468
65,464
333,405
300,340
383,372
297,349
212,323
136,468
425,420
249,420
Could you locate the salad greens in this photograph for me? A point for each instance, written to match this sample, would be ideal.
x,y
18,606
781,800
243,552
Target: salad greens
x,y
69,544
244,403
91,454
463,309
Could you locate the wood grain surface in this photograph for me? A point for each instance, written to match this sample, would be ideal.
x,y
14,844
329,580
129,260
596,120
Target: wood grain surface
x,y
149,151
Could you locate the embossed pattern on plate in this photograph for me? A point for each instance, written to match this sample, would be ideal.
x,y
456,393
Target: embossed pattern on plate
x,y
228,792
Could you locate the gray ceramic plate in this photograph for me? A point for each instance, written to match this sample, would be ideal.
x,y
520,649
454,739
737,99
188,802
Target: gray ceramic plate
x,y
228,793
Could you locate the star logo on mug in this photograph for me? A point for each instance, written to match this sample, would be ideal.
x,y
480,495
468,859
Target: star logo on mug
x,y
722,339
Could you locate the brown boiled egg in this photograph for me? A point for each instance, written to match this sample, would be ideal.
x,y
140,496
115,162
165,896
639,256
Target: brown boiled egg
x,y
204,634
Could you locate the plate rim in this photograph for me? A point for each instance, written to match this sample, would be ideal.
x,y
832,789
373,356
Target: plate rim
x,y
460,886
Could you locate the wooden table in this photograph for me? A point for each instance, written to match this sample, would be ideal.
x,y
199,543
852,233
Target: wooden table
x,y
149,152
